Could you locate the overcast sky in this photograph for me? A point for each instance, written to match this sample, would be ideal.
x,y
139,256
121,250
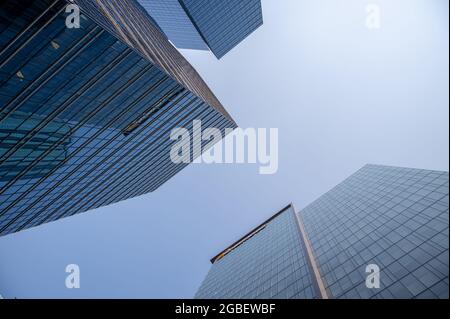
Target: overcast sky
x,y
341,95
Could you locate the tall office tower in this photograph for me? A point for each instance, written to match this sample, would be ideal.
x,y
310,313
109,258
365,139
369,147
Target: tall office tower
x,y
269,262
219,25
390,219
175,23
86,113
223,24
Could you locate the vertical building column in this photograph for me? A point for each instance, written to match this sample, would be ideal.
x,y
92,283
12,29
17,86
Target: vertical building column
x,y
314,267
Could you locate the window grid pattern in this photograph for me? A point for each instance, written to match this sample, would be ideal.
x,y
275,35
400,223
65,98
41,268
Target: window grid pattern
x,y
223,24
175,24
394,217
270,264
68,96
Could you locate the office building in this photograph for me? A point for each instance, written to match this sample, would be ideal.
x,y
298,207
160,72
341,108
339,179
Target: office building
x,y
86,113
393,218
268,262
217,25
223,24
175,23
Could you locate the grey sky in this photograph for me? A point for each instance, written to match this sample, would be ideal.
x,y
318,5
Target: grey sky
x,y
341,95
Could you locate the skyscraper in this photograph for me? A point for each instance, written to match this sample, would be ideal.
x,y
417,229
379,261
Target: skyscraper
x,y
86,113
223,24
269,262
219,25
390,219
175,23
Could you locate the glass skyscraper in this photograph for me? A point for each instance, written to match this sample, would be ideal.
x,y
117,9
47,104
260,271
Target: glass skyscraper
x,y
86,113
223,24
391,217
268,262
175,23
217,25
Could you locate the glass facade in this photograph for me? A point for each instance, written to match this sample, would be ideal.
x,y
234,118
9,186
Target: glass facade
x,y
174,22
223,24
16,128
394,218
269,262
86,113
